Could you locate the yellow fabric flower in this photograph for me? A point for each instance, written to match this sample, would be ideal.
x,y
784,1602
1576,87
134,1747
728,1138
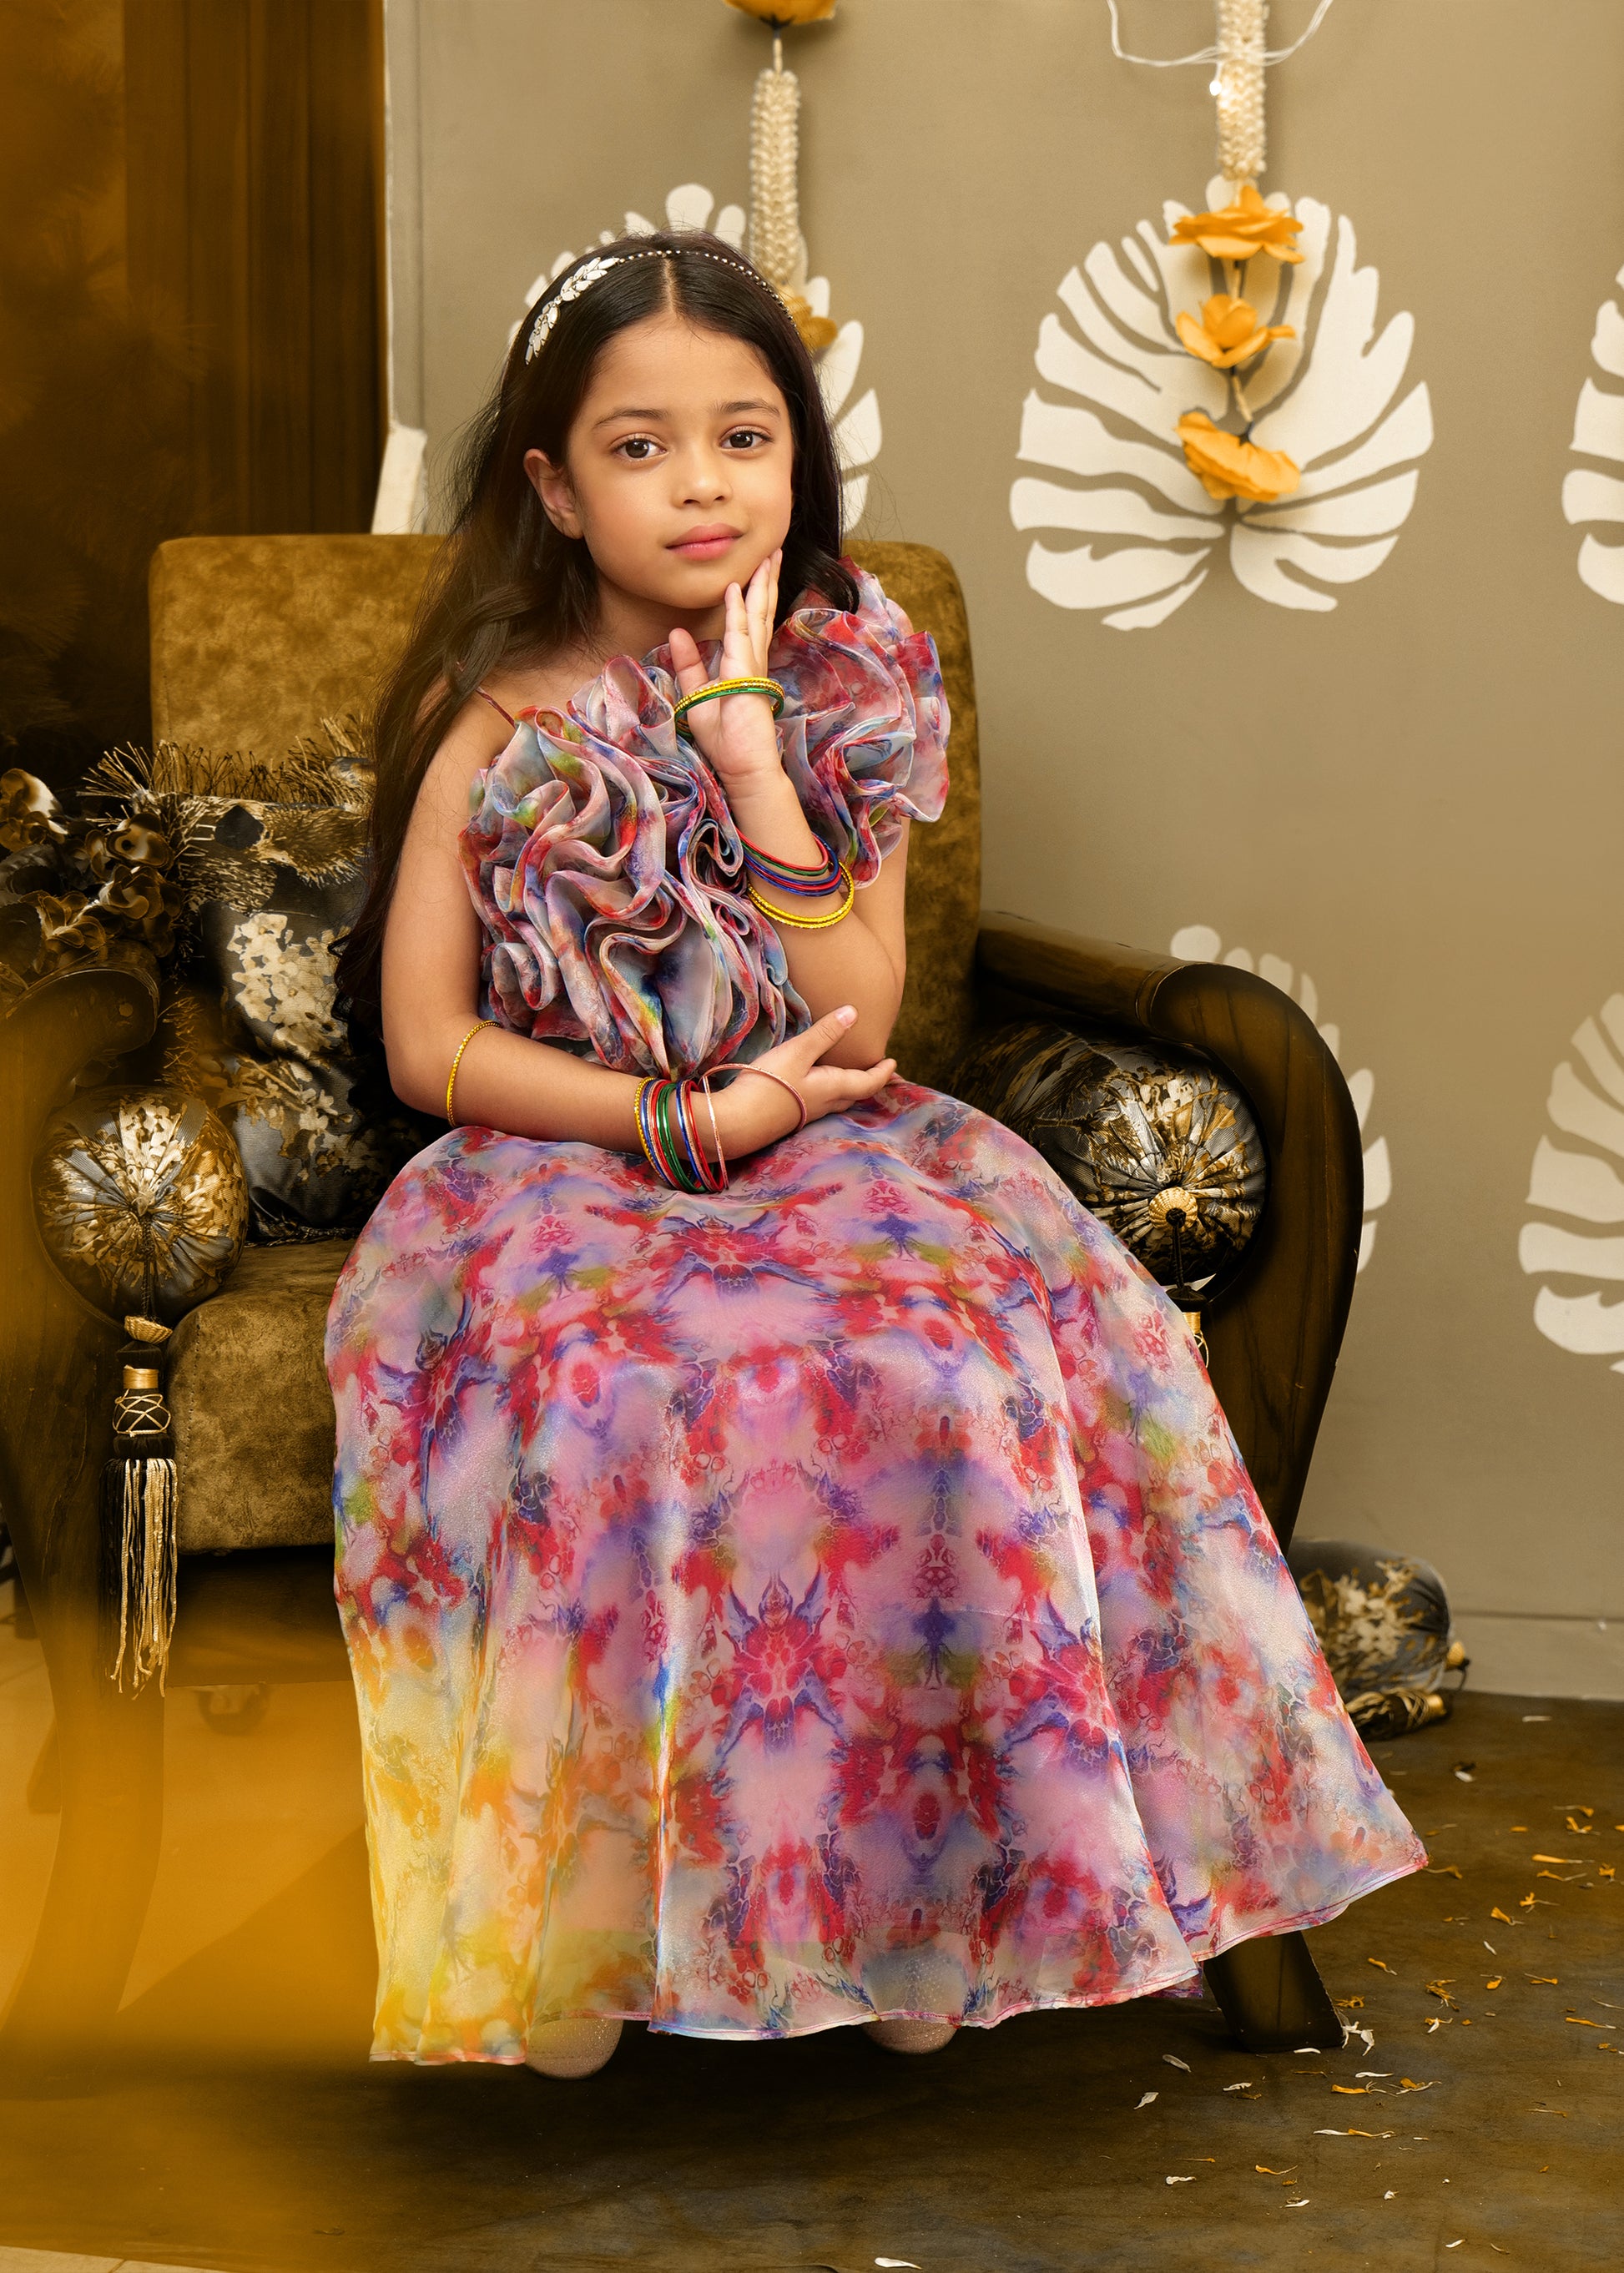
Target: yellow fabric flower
x,y
1228,331
816,332
1236,232
1226,467
786,12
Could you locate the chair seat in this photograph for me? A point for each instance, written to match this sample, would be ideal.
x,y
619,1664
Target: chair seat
x,y
253,1415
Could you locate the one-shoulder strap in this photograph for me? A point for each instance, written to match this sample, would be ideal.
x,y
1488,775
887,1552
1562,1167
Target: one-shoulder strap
x,y
486,696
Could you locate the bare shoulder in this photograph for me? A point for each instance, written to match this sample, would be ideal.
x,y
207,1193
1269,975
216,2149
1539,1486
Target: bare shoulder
x,y
477,735
544,683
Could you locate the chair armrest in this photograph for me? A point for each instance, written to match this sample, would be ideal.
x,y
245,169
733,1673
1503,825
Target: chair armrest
x,y
57,1353
1091,977
1275,1333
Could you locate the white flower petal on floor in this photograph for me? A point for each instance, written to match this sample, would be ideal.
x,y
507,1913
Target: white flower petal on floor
x,y
1329,399
1201,944
1584,1187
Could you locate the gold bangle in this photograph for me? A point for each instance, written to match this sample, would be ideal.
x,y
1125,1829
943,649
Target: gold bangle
x,y
644,1087
718,688
811,923
455,1062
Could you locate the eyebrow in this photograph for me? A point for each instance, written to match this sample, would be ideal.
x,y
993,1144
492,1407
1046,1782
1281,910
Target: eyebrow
x,y
721,410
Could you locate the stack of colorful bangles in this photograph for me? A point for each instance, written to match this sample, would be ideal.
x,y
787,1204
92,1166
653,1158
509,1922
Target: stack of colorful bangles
x,y
787,880
670,1140
667,1128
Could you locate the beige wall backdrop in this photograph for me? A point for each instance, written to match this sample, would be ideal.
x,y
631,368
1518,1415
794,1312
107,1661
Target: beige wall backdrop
x,y
1415,798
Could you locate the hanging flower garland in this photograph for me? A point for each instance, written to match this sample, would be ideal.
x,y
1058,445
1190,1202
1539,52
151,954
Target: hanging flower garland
x,y
776,245
1230,337
1219,380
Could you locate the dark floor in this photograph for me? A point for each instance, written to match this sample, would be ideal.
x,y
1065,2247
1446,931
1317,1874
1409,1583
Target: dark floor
x,y
1488,2133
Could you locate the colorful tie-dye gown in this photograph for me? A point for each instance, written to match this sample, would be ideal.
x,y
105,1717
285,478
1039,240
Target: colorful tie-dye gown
x,y
841,1597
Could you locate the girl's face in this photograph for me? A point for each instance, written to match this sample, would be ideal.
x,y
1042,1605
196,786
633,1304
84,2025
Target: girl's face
x,y
677,471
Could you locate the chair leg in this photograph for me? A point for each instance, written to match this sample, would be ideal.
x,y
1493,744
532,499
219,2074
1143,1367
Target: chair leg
x,y
1270,1992
111,1756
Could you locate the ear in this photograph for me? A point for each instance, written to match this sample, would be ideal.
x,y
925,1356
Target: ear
x,y
553,485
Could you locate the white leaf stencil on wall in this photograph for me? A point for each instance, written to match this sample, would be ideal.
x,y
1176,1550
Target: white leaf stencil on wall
x,y
1585,1187
1329,399
1201,944
858,433
1598,432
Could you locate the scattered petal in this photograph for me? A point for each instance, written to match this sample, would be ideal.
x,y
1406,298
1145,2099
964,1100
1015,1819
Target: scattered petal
x,y
1349,2004
1360,2090
1389,2195
1381,1962
1464,1775
1504,1920
1377,2074
896,2260
1309,2048
1574,2022
1149,2095
1498,1978
1238,2087
1444,1870
1529,1716
1489,1946
1409,2083
1546,1980
1269,2172
1299,2205
1353,2134
1173,2060
1188,2182
1453,2245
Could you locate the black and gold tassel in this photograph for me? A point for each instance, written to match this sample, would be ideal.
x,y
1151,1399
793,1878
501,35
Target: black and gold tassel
x,y
139,1538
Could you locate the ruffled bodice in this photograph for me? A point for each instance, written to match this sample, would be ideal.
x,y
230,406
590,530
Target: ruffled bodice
x,y
605,869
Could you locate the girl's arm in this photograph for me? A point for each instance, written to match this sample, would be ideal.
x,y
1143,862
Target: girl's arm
x,y
430,981
861,960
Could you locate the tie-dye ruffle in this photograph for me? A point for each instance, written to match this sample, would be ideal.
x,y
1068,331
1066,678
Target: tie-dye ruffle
x,y
605,869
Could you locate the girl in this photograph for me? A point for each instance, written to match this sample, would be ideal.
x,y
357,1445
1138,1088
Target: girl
x,y
794,1567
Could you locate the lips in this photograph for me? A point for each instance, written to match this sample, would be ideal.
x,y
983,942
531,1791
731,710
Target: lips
x,y
706,543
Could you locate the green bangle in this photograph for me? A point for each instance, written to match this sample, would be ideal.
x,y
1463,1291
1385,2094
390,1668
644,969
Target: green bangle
x,y
720,687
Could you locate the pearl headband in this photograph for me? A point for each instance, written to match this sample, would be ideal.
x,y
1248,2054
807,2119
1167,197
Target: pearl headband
x,y
592,272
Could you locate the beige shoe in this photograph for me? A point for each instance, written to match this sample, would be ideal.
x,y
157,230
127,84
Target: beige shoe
x,y
573,2048
911,2036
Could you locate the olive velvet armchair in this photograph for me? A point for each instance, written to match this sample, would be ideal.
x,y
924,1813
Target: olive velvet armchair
x,y
254,641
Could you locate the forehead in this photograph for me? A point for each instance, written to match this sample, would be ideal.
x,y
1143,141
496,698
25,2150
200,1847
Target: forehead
x,y
669,363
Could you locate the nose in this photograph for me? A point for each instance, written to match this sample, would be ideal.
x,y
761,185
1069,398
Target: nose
x,y
701,477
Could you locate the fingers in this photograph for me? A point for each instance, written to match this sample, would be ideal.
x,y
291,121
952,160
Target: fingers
x,y
690,671
825,1032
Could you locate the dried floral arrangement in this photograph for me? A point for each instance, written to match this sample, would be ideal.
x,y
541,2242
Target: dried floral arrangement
x,y
79,889
113,876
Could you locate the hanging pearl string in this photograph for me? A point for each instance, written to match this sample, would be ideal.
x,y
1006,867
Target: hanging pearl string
x,y
1238,84
1240,55
775,149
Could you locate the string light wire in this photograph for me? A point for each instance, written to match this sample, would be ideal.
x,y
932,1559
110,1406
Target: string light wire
x,y
1210,55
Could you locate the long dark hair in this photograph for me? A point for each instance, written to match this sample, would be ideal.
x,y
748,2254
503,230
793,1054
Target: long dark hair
x,y
507,584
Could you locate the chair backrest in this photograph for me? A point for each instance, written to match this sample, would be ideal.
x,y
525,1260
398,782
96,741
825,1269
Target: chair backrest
x,y
255,640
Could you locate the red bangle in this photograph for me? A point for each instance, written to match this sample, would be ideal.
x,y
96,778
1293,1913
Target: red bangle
x,y
801,1102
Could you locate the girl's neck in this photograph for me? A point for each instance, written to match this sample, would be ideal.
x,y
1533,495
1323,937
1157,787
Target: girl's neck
x,y
628,624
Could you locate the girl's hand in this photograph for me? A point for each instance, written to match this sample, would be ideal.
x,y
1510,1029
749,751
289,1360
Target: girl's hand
x,y
736,734
750,1113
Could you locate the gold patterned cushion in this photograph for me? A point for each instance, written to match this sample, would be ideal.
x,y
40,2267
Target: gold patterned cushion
x,y
1158,1143
253,1415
